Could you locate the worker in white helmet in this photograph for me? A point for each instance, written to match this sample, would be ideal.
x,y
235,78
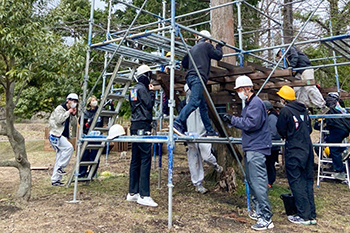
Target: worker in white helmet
x,y
202,54
141,101
61,119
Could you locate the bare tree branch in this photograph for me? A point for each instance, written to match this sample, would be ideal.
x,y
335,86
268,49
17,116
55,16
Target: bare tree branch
x,y
9,164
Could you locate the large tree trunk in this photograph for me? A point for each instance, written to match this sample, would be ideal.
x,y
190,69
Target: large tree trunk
x,y
18,145
288,22
222,27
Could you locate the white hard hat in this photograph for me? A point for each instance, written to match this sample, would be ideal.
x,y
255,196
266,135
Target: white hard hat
x,y
334,95
243,81
115,131
143,69
204,33
72,96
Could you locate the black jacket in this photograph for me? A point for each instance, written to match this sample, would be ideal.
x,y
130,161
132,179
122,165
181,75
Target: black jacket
x,y
141,101
335,123
297,59
294,125
89,115
202,54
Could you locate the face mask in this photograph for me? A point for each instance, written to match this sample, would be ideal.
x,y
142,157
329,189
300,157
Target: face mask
x,y
73,105
93,103
242,96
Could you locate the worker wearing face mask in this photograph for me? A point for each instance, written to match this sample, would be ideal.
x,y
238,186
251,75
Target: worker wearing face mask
x,y
61,119
90,154
256,144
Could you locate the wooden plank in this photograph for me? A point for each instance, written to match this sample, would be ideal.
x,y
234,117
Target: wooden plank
x,y
296,83
226,65
257,67
244,70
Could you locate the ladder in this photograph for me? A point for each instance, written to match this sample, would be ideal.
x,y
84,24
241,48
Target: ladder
x,y
325,162
101,112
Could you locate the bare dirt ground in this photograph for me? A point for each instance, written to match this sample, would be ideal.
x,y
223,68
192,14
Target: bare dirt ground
x,y
103,207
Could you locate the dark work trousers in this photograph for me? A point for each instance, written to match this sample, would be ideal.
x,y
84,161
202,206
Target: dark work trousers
x,y
301,184
337,136
140,168
256,177
270,166
89,155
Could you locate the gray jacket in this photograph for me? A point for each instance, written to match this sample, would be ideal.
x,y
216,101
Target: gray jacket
x,y
58,118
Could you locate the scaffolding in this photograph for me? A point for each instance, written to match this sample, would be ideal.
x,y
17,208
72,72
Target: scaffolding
x,y
114,45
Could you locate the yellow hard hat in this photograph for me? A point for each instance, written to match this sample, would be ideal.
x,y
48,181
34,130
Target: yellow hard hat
x,y
327,151
287,93
168,54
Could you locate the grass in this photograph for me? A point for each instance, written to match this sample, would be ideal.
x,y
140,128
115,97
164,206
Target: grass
x,y
104,209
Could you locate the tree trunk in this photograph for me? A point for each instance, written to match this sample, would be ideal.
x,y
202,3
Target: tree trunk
x,y
222,27
18,145
288,22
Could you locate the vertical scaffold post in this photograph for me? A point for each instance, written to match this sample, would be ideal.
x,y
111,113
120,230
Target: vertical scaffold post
x,y
239,29
86,79
334,60
171,142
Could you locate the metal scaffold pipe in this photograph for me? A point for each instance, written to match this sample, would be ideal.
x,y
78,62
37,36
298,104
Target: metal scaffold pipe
x,y
291,44
115,51
171,143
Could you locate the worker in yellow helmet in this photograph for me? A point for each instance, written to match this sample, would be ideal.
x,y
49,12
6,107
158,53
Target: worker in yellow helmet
x,y
294,125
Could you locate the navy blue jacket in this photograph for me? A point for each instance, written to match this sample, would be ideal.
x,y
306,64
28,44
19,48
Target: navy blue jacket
x,y
297,59
202,54
253,122
294,125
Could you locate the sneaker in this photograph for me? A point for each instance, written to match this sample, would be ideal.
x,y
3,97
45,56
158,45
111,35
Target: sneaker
x,y
212,134
269,186
133,197
61,172
339,175
253,215
178,129
345,155
146,201
263,225
57,183
218,168
313,221
298,220
201,189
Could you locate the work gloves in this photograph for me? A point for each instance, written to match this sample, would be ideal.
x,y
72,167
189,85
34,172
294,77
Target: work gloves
x,y
226,118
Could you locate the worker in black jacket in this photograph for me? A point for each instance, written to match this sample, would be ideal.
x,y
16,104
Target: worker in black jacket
x,y
202,54
339,129
294,125
297,59
141,101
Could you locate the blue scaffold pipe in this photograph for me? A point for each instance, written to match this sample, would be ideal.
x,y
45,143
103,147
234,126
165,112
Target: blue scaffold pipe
x,y
248,195
160,155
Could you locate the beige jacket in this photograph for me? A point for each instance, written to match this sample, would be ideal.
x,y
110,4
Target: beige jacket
x,y
57,120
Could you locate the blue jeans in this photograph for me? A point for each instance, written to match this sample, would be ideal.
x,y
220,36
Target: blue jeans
x,y
337,136
196,100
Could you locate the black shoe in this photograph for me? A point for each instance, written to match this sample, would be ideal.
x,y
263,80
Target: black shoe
x,y
57,183
178,129
212,134
61,171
